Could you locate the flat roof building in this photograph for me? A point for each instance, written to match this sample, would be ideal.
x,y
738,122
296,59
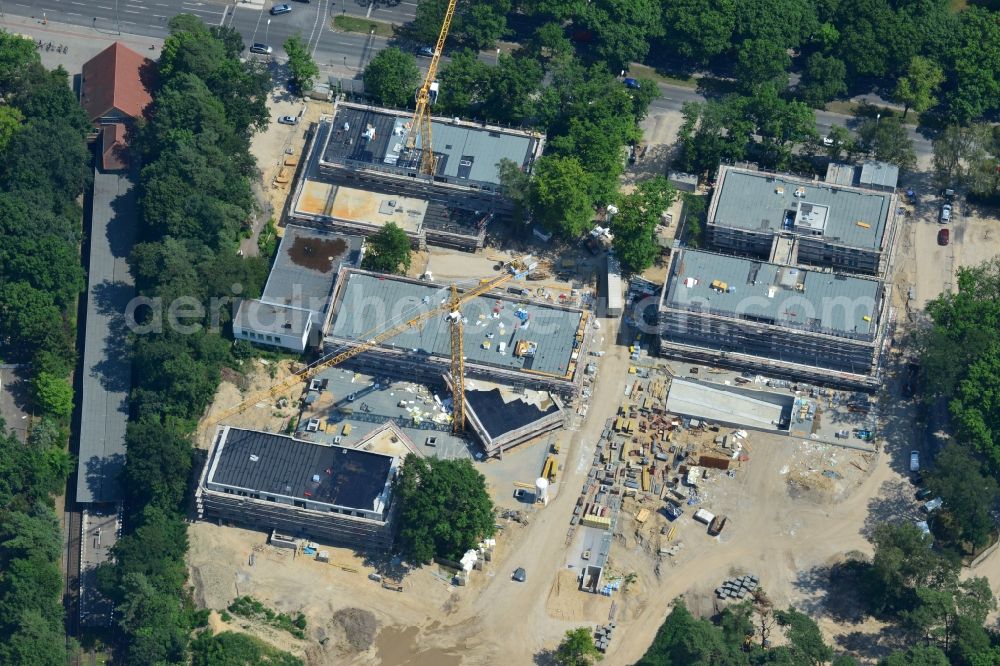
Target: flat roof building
x,y
519,342
502,418
798,221
277,482
807,323
354,200
370,138
293,311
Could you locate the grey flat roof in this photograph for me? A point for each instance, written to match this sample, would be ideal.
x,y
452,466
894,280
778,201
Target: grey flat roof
x,y
840,174
782,295
758,202
879,174
263,317
306,265
731,405
281,465
464,150
107,369
500,417
376,302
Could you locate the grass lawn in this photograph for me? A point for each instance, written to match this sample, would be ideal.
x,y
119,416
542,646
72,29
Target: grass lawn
x,y
363,25
644,72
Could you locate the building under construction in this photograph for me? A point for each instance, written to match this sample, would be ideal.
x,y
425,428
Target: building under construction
x,y
523,344
358,176
789,220
808,324
270,482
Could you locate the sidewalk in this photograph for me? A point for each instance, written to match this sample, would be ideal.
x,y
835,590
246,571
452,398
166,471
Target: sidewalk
x,y
83,43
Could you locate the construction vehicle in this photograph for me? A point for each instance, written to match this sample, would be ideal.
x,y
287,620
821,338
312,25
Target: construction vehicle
x,y
516,269
421,127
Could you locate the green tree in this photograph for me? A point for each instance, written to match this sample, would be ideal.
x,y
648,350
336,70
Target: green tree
x,y
684,639
477,24
917,88
54,395
622,29
949,150
761,61
464,83
699,30
388,250
805,639
515,183
973,58
446,509
301,65
577,649
968,495
916,656
823,79
903,563
392,77
511,90
10,122
559,196
237,649
634,225
886,139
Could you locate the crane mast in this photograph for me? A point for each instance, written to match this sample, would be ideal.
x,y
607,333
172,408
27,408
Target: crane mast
x,y
374,337
421,125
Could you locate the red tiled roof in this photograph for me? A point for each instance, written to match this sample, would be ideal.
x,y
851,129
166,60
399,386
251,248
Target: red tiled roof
x,y
112,81
114,156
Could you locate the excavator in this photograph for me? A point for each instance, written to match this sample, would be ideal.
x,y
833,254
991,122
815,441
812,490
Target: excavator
x,y
451,308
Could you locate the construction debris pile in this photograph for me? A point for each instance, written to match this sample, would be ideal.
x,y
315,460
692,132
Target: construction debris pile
x,y
602,636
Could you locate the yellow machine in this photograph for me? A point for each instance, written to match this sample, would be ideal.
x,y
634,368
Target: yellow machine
x,y
453,306
421,127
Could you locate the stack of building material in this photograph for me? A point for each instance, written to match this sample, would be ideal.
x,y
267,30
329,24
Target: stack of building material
x,y
737,588
602,636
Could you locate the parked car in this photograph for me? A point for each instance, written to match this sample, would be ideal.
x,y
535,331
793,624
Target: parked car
x,y
261,48
289,120
519,575
827,141
923,494
914,461
631,83
945,213
944,237
280,9
426,51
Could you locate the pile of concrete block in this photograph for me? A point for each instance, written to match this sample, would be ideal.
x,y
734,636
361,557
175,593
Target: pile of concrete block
x,y
602,636
737,588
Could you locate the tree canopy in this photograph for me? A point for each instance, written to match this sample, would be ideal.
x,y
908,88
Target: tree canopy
x,y
392,77
634,225
301,64
388,250
577,649
446,509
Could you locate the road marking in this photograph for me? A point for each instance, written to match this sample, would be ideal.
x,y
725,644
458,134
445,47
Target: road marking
x,y
129,11
100,7
73,13
77,3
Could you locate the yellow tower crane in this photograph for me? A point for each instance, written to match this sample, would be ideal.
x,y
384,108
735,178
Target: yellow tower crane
x,y
372,338
421,126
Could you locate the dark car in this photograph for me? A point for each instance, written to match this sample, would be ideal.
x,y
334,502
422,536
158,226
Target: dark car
x,y
924,493
519,575
944,237
261,48
631,83
280,9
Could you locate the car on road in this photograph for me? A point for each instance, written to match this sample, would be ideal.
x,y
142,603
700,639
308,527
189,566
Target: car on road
x,y
261,48
280,9
426,51
289,120
944,237
945,213
914,461
631,83
519,575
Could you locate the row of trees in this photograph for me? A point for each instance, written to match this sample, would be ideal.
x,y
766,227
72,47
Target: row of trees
x,y
195,199
969,157
922,54
43,171
905,582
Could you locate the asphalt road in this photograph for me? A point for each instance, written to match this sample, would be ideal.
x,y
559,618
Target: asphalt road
x,y
338,53
673,97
